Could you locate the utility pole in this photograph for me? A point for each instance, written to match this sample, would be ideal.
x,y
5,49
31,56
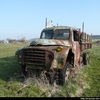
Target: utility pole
x,y
46,23
83,27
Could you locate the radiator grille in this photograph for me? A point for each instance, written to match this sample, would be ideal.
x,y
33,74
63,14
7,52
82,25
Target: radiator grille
x,y
34,57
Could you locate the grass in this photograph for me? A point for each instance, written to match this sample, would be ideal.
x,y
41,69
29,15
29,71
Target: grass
x,y
93,73
85,84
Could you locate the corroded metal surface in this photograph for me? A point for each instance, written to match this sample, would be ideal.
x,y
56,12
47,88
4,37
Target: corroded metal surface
x,y
51,54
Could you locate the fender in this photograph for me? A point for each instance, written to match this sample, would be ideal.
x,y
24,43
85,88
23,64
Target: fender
x,y
60,58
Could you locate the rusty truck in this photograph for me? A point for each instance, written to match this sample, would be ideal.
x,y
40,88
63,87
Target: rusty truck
x,y
57,55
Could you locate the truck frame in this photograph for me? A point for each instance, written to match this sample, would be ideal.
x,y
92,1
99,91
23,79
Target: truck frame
x,y
57,55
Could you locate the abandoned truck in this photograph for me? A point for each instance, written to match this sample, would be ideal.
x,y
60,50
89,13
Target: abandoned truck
x,y
57,55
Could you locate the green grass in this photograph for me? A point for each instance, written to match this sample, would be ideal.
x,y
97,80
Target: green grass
x,y
93,74
8,62
85,84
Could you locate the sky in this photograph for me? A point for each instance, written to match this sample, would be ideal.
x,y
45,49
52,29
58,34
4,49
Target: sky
x,y
26,18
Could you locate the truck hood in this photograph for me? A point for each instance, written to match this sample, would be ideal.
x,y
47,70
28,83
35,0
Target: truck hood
x,y
50,42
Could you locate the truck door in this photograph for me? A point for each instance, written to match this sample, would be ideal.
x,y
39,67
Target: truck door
x,y
76,46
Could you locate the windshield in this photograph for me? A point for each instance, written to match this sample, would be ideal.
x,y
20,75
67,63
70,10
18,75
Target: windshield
x,y
47,34
61,34
58,34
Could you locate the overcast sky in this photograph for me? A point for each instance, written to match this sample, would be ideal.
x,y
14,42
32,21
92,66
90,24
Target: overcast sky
x,y
26,18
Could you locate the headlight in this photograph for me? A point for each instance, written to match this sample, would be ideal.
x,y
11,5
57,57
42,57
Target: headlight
x,y
59,49
50,57
20,56
18,51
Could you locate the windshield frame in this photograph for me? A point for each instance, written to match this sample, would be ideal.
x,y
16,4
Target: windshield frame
x,y
45,32
61,33
54,33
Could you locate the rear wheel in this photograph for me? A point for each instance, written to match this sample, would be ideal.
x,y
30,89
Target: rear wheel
x,y
65,74
86,58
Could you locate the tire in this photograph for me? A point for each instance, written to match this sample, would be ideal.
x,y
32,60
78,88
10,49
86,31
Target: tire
x,y
86,58
23,71
64,74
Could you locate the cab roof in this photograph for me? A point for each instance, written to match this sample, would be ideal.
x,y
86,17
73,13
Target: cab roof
x,y
60,27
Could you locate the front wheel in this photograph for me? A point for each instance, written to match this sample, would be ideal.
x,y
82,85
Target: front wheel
x,y
23,71
65,74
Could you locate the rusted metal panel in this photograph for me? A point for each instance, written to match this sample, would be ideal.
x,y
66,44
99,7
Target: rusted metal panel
x,y
76,51
60,58
51,55
45,55
50,42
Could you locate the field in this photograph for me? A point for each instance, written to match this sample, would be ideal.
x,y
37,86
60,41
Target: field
x,y
85,84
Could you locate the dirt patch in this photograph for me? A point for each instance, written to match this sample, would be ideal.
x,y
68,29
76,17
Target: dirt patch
x,y
75,87
47,89
78,85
